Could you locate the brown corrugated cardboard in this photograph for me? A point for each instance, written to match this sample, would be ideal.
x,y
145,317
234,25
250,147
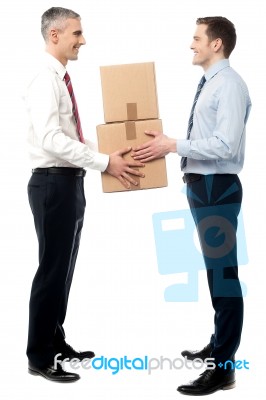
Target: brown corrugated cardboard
x,y
129,92
112,137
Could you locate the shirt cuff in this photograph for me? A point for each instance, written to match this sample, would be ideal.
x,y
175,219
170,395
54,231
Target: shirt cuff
x,y
183,147
100,162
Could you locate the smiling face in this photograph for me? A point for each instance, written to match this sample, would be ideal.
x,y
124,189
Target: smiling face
x,y
64,44
206,52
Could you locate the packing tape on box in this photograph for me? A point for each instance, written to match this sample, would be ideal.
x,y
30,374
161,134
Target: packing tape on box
x,y
130,130
132,112
131,135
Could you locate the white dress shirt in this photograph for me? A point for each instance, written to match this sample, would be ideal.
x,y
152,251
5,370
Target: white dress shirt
x,y
52,134
217,140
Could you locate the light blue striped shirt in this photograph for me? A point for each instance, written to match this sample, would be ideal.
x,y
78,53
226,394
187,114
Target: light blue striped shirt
x,y
217,139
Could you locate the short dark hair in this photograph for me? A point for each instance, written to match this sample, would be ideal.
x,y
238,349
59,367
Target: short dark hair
x,y
220,27
55,16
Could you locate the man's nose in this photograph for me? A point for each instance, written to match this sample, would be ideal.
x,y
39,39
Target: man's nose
x,y
82,40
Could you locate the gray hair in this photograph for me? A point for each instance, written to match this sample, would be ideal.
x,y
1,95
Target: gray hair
x,y
55,16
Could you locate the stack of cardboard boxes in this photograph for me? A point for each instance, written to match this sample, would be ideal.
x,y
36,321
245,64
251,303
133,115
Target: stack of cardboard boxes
x,y
130,107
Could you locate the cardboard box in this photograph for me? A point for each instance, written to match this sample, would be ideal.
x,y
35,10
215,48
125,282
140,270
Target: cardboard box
x,y
112,137
129,92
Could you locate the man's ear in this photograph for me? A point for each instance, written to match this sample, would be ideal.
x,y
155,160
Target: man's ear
x,y
54,37
217,44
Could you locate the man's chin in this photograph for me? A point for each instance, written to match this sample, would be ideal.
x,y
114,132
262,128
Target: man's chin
x,y
73,58
194,62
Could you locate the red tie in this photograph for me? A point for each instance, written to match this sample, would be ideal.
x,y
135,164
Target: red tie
x,y
75,106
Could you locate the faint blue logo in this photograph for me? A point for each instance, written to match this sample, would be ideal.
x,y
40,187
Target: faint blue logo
x,y
232,365
179,251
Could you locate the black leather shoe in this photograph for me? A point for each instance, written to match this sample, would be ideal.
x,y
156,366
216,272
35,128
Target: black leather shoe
x,y
53,374
68,352
202,354
209,382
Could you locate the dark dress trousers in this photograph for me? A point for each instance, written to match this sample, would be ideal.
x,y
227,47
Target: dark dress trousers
x,y
58,204
215,202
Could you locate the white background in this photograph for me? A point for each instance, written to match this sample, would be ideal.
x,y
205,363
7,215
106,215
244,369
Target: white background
x,y
117,304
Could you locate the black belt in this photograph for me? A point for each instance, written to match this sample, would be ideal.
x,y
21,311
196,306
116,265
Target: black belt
x,y
60,171
188,178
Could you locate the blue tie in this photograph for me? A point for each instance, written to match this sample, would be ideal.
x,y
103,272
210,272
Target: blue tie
x,y
190,121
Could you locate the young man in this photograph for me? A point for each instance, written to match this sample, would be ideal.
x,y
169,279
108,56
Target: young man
x,y
59,155
212,156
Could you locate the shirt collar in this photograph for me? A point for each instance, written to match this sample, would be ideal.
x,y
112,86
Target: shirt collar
x,y
217,67
53,63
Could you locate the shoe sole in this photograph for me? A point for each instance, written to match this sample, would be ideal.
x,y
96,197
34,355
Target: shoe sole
x,y
225,387
35,373
229,386
192,358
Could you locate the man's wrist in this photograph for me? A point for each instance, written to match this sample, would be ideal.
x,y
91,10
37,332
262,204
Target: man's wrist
x,y
172,145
